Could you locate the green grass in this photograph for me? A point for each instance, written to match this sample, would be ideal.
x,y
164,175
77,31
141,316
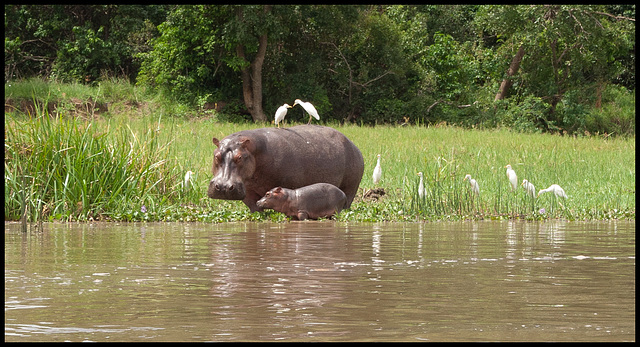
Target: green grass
x,y
109,168
129,165
597,174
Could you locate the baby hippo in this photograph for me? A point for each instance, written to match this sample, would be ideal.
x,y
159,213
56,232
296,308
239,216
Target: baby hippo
x,y
313,201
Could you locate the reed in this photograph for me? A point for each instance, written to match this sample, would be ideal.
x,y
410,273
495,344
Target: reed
x,y
133,168
68,169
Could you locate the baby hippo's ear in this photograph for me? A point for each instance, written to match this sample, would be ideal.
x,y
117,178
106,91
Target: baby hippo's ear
x,y
216,142
278,190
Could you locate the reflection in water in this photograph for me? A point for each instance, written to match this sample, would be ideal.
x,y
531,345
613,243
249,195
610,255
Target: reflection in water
x,y
317,281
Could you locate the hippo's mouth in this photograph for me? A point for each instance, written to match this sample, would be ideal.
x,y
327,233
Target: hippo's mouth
x,y
226,191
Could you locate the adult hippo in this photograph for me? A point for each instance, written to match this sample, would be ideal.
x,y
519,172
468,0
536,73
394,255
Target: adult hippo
x,y
249,163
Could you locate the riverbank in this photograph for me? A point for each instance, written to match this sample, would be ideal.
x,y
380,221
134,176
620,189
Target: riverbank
x,y
121,169
129,163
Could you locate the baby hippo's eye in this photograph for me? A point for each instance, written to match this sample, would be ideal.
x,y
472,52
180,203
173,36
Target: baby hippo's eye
x,y
237,158
217,157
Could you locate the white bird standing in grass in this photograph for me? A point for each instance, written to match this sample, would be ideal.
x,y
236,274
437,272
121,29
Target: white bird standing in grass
x,y
529,187
511,175
280,113
309,108
420,186
187,180
474,184
556,189
377,172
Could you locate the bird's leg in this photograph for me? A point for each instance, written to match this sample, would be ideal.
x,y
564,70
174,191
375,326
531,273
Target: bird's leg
x,y
309,120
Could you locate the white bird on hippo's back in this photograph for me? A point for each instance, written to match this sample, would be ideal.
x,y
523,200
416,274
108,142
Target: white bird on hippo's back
x,y
280,113
309,108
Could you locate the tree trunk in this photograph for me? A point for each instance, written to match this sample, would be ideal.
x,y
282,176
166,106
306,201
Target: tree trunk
x,y
247,91
252,76
599,89
256,80
252,82
513,69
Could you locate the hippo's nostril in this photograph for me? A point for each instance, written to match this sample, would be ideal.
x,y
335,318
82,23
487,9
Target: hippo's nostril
x,y
231,187
218,186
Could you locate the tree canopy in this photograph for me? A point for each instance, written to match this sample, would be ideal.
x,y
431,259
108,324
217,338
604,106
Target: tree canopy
x,y
531,67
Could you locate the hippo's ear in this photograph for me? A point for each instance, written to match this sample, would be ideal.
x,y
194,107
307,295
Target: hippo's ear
x,y
247,144
216,142
277,190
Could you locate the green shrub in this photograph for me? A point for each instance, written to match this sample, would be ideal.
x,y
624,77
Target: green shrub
x,y
617,114
84,59
525,115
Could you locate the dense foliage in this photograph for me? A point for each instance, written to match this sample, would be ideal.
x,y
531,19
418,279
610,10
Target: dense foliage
x,y
358,63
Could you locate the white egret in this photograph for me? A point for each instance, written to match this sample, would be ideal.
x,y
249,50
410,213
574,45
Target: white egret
x,y
511,175
420,186
309,108
529,187
474,184
280,113
377,171
187,181
556,189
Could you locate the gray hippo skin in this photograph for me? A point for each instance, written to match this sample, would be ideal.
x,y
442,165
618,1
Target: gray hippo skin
x,y
313,202
249,163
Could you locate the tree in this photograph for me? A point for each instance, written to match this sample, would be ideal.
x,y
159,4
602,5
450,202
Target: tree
x,y
252,71
185,58
513,69
74,41
568,47
202,48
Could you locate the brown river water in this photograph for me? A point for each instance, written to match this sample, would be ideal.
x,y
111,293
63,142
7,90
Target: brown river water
x,y
321,281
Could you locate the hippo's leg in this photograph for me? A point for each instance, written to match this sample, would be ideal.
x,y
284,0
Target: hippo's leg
x,y
302,215
350,195
251,200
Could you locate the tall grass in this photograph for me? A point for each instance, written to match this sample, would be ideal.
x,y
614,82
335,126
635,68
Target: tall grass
x,y
67,169
106,90
132,167
598,174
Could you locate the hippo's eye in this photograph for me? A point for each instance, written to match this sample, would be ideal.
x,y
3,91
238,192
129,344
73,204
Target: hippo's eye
x,y
217,157
237,157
